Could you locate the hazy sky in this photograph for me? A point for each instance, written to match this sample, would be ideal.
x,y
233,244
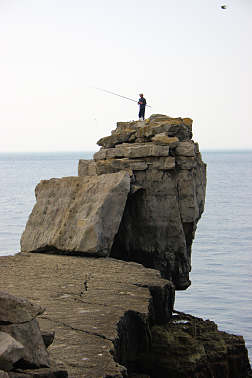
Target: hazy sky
x,y
189,58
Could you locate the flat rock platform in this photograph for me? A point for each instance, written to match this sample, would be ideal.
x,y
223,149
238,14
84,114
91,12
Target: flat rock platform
x,y
84,299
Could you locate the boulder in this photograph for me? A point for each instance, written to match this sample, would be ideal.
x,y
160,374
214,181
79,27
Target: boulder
x,y
34,353
77,214
21,342
17,310
10,351
22,345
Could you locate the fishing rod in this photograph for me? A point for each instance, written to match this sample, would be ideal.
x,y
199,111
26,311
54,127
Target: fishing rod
x,y
116,94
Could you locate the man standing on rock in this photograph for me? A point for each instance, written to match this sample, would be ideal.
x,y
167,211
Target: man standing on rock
x,y
142,104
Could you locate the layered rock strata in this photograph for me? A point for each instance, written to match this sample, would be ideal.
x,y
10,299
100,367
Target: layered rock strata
x,y
139,199
168,180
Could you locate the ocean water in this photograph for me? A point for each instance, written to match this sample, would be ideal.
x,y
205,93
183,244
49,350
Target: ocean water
x,y
221,276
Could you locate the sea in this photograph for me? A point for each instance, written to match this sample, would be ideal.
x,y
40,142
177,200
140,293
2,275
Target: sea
x,y
221,274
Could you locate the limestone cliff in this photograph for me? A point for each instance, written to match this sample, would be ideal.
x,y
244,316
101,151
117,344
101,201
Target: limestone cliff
x,y
139,199
112,319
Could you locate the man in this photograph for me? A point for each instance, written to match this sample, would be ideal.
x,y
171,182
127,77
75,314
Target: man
x,y
142,104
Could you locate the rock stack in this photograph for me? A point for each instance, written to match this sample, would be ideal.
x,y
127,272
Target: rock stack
x,y
139,199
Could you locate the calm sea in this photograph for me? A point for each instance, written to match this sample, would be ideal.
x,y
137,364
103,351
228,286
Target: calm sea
x,y
222,251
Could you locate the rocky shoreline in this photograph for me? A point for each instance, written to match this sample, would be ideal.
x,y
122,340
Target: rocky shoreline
x,y
102,255
121,324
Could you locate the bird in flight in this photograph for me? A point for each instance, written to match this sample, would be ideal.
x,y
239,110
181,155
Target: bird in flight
x,y
223,7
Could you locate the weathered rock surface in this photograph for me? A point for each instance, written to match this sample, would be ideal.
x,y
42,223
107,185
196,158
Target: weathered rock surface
x,y
17,310
10,351
114,319
77,214
22,345
28,334
85,299
18,319
86,168
189,347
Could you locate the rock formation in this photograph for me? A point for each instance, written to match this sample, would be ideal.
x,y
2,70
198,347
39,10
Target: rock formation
x,y
23,350
182,347
140,200
77,214
115,319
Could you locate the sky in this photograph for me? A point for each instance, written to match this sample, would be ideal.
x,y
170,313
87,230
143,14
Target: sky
x,y
190,58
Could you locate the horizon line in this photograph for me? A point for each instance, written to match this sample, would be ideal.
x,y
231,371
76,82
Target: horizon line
x,y
93,151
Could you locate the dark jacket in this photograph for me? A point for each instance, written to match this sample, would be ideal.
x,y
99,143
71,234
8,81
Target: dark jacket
x,y
142,102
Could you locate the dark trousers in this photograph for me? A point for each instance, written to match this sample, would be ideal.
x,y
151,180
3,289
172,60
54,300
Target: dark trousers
x,y
141,112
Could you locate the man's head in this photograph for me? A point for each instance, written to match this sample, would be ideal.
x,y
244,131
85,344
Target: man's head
x,y
141,94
